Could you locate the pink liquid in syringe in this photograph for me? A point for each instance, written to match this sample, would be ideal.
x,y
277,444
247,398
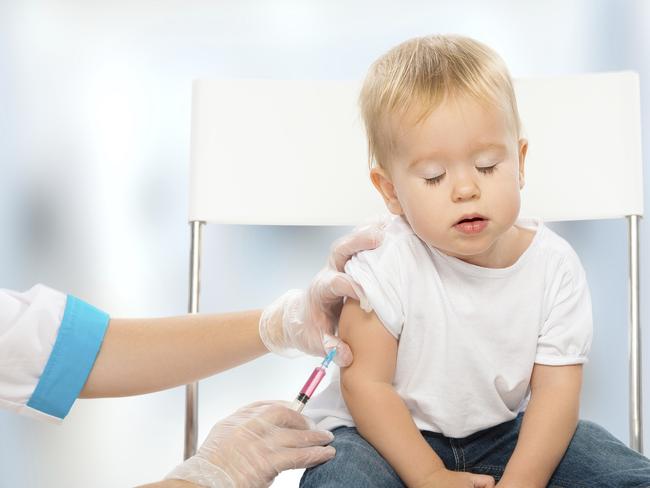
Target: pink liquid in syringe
x,y
316,376
312,383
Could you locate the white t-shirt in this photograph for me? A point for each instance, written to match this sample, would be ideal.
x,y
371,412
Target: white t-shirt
x,y
468,335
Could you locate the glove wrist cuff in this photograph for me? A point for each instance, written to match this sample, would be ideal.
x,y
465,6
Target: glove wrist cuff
x,y
202,472
275,320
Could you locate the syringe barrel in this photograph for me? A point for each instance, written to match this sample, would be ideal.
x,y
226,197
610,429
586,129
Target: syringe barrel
x,y
297,405
316,376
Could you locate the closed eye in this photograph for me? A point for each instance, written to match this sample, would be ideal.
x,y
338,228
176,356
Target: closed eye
x,y
435,180
486,169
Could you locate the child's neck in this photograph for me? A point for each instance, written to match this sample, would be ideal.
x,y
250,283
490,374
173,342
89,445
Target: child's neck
x,y
511,245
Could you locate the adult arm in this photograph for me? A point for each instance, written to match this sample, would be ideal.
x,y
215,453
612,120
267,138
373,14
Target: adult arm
x,y
549,423
145,355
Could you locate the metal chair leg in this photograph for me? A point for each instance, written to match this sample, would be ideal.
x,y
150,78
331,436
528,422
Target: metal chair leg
x,y
636,426
192,390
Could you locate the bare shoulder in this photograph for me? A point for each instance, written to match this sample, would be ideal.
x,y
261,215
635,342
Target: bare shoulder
x,y
356,323
374,349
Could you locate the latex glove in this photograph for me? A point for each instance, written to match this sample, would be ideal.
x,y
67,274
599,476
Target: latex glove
x,y
307,320
252,446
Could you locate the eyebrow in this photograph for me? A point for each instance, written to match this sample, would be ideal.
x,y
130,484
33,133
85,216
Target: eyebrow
x,y
487,145
474,148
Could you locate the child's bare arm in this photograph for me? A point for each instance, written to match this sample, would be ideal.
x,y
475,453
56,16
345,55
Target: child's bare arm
x,y
548,426
379,413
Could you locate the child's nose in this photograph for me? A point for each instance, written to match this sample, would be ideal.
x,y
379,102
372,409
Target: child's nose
x,y
465,188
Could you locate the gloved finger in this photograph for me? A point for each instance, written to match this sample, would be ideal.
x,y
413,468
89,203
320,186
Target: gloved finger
x,y
281,416
362,239
311,425
343,357
343,285
302,438
304,457
253,410
263,403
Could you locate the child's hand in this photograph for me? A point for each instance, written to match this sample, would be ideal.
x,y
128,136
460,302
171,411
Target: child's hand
x,y
512,484
444,478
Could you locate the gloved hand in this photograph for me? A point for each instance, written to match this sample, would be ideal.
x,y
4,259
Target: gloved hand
x,y
252,446
307,320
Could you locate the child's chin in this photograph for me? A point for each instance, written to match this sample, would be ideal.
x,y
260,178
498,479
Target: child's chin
x,y
466,251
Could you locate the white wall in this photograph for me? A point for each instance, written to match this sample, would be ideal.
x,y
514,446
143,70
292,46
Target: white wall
x,y
94,146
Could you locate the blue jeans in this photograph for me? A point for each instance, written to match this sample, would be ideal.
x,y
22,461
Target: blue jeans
x,y
594,459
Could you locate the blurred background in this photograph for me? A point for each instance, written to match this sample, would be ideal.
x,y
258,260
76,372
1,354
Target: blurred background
x,y
94,150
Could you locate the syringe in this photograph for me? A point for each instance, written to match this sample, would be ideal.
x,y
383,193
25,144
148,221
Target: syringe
x,y
316,376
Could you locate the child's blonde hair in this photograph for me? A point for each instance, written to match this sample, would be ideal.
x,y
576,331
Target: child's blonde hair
x,y
419,73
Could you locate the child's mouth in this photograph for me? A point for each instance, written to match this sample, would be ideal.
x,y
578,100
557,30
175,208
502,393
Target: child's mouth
x,y
471,225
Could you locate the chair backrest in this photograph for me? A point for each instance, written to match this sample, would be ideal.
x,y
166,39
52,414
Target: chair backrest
x,y
294,152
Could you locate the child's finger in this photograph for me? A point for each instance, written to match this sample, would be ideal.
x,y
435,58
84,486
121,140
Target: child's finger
x,y
483,481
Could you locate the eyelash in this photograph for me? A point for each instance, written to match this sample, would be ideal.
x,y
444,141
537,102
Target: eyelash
x,y
487,169
436,179
433,181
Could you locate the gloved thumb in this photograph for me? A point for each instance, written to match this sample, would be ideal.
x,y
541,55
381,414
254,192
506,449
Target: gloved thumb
x,y
343,357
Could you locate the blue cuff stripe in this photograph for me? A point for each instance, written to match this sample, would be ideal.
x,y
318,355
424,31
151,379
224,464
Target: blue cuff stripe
x,y
73,356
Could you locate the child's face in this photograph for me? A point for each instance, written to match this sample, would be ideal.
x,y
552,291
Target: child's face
x,y
461,160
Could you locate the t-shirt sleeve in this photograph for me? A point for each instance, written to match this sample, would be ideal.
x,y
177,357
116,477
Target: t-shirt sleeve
x,y
48,345
378,274
565,336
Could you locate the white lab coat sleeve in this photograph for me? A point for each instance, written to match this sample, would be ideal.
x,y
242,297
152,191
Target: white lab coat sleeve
x,y
48,345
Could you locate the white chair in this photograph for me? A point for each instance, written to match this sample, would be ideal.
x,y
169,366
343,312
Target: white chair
x,y
302,135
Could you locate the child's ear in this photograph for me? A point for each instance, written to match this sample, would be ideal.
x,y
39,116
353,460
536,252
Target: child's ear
x,y
382,181
523,149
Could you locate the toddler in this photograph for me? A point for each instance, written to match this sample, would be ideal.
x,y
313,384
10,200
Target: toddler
x,y
468,370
